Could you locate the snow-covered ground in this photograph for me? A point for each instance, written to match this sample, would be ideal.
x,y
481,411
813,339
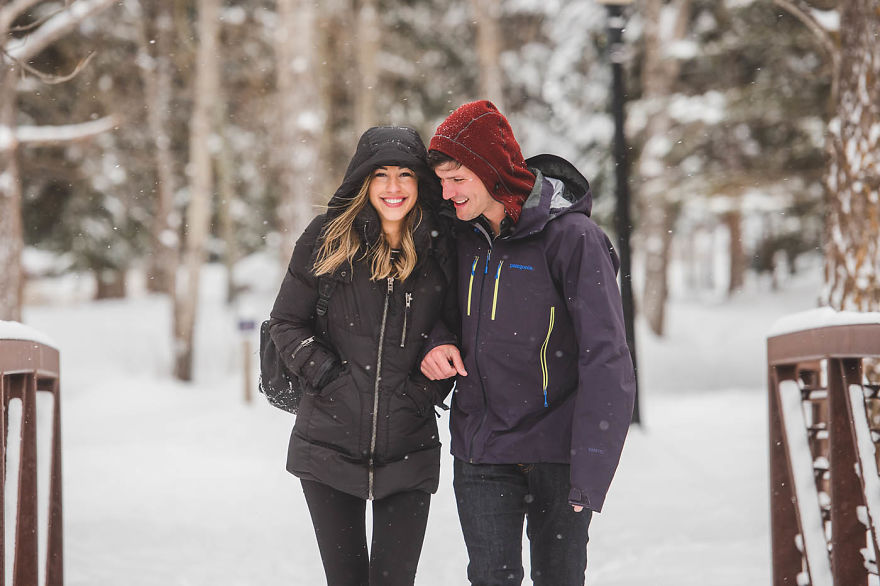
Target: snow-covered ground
x,y
175,484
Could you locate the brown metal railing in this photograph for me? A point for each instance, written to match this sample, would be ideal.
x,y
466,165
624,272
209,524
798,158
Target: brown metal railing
x,y
26,368
824,483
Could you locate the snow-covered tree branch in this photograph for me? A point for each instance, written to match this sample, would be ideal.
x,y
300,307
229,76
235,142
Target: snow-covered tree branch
x,y
11,11
55,28
822,23
48,135
15,52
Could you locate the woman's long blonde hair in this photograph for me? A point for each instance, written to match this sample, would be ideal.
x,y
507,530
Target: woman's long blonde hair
x,y
341,244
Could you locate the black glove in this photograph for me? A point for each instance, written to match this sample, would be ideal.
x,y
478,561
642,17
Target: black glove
x,y
333,371
318,364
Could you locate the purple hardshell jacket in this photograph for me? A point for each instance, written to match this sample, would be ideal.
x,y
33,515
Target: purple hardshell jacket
x,y
550,376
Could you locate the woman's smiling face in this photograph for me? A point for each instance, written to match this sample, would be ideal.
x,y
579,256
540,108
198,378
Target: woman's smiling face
x,y
393,192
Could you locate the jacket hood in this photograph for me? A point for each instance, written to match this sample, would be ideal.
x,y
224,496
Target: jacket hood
x,y
559,189
479,137
381,146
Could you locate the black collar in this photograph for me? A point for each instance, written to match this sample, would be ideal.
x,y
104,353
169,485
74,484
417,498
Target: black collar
x,y
504,229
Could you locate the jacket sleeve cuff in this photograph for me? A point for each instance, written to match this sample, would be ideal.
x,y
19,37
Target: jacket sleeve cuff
x,y
441,391
576,497
439,336
435,390
317,364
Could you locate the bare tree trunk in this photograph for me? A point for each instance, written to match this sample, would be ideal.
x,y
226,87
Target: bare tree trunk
x,y
852,256
300,119
11,236
661,220
110,284
338,65
658,211
368,29
733,220
198,216
226,192
158,80
487,14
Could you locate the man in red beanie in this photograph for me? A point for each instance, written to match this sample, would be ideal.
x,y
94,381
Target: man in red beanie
x,y
545,383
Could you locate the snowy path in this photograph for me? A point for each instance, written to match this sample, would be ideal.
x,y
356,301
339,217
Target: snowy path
x,y
169,484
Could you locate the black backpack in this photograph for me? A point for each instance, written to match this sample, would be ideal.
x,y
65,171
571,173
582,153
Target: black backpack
x,y
282,388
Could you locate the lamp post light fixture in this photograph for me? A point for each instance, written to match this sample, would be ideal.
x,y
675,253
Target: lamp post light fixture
x,y
622,219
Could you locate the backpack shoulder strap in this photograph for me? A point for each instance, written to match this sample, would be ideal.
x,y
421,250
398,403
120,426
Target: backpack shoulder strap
x,y
326,284
325,290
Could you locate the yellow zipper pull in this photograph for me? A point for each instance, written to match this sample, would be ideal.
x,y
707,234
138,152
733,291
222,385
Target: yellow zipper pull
x,y
471,283
495,295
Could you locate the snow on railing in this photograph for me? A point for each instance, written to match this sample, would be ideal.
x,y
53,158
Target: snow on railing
x,y
821,317
13,330
801,461
867,452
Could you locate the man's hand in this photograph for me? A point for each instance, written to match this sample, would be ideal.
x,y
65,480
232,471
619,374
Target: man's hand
x,y
577,508
442,362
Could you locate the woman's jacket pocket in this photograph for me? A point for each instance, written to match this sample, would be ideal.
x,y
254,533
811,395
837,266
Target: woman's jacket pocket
x,y
425,393
418,396
330,389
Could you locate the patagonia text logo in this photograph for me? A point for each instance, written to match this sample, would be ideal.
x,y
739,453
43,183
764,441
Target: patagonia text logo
x,y
522,267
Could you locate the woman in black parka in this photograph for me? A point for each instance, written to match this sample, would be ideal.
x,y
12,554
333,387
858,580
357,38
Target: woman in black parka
x,y
366,427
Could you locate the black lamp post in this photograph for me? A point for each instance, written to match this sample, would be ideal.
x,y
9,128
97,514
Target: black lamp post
x,y
622,220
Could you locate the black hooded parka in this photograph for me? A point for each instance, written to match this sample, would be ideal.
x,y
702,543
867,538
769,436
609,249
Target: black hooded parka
x,y
371,431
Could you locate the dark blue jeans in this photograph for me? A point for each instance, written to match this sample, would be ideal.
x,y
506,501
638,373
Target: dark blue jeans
x,y
494,499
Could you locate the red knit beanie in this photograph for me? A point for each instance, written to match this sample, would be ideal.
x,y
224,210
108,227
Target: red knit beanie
x,y
479,137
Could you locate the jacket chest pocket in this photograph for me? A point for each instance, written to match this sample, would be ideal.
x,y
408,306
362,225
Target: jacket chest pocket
x,y
407,309
416,309
344,313
545,367
484,279
355,311
510,292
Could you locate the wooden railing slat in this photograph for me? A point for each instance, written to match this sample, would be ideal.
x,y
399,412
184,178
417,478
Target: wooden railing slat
x,y
26,369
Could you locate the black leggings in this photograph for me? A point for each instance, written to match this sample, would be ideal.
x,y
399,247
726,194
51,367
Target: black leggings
x,y
399,523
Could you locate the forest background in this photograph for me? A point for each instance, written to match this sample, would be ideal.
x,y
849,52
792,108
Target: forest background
x,y
149,137
168,151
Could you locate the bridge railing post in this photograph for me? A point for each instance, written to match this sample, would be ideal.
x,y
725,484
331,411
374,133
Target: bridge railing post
x,y
29,365
824,482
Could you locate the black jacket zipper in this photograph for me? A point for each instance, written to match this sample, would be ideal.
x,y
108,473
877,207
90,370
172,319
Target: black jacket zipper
x,y
302,345
485,415
375,423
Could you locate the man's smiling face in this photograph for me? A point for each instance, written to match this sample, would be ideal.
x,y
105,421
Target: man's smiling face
x,y
467,193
